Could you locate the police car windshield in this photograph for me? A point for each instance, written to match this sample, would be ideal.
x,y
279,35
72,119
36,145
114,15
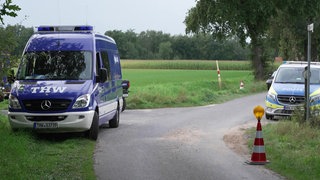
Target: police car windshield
x,y
56,65
295,75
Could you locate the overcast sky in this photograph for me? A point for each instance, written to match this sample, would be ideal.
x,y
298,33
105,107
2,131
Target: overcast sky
x,y
139,15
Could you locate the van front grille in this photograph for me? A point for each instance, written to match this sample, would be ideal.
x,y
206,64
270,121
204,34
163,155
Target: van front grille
x,y
291,100
46,105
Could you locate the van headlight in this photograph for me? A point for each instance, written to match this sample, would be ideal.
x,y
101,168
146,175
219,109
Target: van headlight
x,y
14,102
82,102
271,96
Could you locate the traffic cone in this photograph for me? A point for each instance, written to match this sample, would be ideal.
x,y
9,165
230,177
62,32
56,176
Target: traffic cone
x,y
241,85
258,156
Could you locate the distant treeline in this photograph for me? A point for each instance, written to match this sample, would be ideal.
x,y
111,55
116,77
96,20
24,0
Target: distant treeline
x,y
158,45
145,45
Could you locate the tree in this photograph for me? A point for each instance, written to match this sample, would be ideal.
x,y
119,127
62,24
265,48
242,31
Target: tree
x,y
289,28
242,18
8,9
7,45
165,50
12,42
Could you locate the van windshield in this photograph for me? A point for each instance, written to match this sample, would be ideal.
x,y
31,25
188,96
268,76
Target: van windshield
x,y
295,75
56,65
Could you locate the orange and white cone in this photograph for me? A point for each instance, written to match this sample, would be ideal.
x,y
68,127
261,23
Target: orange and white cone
x,y
258,156
241,85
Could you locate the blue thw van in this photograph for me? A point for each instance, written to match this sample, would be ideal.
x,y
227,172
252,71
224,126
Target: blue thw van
x,y
69,80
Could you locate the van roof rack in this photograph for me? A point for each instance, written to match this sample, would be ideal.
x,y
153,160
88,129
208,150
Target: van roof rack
x,y
50,29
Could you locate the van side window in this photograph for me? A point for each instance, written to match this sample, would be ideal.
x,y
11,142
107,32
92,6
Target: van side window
x,y
117,73
105,61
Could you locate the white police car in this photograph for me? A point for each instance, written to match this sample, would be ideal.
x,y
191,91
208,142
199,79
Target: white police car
x,y
287,91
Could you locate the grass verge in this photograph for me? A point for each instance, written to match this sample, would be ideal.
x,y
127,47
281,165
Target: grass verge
x,y
4,104
26,155
292,149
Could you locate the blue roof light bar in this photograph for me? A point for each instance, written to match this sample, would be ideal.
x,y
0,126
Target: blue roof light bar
x,y
45,28
84,28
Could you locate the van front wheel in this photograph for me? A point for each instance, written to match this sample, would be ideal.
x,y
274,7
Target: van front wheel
x,y
92,133
114,122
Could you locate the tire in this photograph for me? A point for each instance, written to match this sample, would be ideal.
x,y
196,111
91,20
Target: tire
x,y
269,117
114,122
92,133
124,105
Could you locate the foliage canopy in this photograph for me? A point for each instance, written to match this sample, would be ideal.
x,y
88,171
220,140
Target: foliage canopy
x,y
268,24
8,9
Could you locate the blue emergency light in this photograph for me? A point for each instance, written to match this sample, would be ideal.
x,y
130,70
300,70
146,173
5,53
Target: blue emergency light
x,y
42,28
83,28
64,28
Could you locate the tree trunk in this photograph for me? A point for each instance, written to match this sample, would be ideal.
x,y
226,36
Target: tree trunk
x,y
257,59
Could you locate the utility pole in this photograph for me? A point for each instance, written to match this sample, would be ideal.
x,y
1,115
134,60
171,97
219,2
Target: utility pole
x,y
310,30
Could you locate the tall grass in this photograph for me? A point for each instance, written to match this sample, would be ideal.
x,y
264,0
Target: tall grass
x,y
293,149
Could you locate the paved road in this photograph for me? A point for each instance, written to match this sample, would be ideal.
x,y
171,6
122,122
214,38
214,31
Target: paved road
x,y
177,143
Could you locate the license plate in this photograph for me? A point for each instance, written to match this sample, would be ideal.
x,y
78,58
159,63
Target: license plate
x,y
45,125
289,107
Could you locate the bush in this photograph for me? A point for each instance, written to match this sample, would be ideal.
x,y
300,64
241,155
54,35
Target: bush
x,y
314,118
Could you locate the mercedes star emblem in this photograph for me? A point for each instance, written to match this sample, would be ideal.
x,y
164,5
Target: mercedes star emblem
x,y
292,99
45,105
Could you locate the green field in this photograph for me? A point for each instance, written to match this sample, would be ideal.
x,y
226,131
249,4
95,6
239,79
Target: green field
x,y
157,88
186,64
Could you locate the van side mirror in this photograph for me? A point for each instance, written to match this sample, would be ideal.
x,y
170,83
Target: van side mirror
x,y
103,75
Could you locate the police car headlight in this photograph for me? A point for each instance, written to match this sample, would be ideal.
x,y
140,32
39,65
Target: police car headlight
x,y
314,99
82,102
271,96
14,102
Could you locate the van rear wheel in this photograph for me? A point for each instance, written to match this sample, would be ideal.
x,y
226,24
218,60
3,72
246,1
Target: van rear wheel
x,y
114,122
92,133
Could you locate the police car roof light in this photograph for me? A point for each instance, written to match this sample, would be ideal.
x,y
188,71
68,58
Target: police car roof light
x,y
64,28
302,62
43,28
83,28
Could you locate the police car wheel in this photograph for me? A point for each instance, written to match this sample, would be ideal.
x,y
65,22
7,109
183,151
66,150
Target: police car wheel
x,y
269,116
114,122
94,129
